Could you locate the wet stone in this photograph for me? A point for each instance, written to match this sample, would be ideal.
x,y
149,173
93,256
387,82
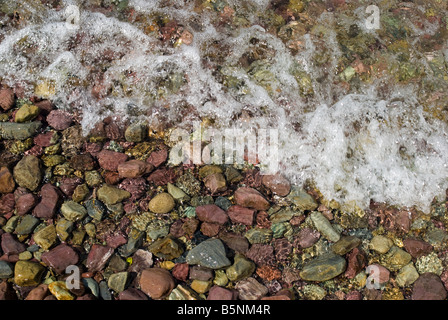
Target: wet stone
x,y
73,211
60,257
210,254
112,195
157,283
428,287
6,270
7,183
250,289
380,244
19,131
345,245
26,225
161,203
46,237
324,226
416,247
324,267
240,269
395,259
258,235
28,273
167,248
250,198
118,281
95,209
27,172
301,199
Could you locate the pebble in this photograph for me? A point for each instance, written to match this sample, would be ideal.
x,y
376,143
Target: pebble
x,y
210,254
251,198
98,256
314,292
6,98
428,287
324,267
395,259
46,237
73,211
26,225
60,257
324,226
132,294
10,245
307,237
157,283
240,269
28,273
92,285
64,228
6,270
60,291
161,203
239,214
301,199
277,183
201,286
215,182
380,244
6,291
7,183
219,293
118,281
19,131
38,293
24,203
27,172
95,209
136,132
345,244
167,248
416,247
26,112
407,275
250,289
177,193
59,119
49,203
133,169
234,241
429,263
212,213
110,160
112,195
356,262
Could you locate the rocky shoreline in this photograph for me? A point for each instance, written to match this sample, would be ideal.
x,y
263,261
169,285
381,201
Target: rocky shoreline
x,y
137,228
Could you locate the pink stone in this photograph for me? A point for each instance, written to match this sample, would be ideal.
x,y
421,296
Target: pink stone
x,y
220,293
48,205
211,213
10,245
379,271
181,271
307,237
158,157
277,183
25,203
45,139
353,295
417,248
239,214
134,169
428,287
60,257
132,294
215,182
115,240
110,160
210,229
59,119
7,204
6,98
251,198
356,262
156,282
98,257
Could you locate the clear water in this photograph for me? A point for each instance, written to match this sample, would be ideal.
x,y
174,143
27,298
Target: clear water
x,y
375,141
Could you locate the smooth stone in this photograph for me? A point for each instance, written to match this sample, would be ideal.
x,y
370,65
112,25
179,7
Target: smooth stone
x,y
98,256
157,283
381,244
301,199
132,294
19,131
28,273
26,112
46,237
345,245
251,198
73,211
27,172
118,281
407,275
161,203
177,193
26,225
201,286
324,267
60,291
324,226
60,257
105,293
92,285
6,270
7,183
210,254
240,269
112,195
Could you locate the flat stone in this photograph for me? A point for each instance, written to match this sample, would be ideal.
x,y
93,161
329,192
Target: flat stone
x,y
211,213
19,131
6,270
324,267
301,199
112,195
177,193
324,226
118,281
307,237
46,237
380,244
395,259
133,169
60,257
345,244
95,209
98,256
110,160
210,254
240,269
28,273
26,225
239,214
73,211
64,228
250,198
428,287
417,248
234,241
277,183
24,203
220,293
10,245
27,172
167,248
250,289
157,283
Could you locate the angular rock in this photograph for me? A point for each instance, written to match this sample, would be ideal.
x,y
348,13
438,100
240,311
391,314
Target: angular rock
x,y
234,241
259,235
63,228
157,283
73,211
38,293
98,256
301,199
82,162
7,183
10,245
261,254
417,248
19,131
26,225
215,182
307,237
28,273
250,198
239,214
24,203
428,287
118,281
7,204
395,259
240,269
250,289
110,160
181,271
134,169
357,260
60,257
6,98
136,132
46,237
324,226
6,270
211,213
59,119
220,293
26,112
59,290
132,294
27,172
324,267
380,244
158,157
210,254
95,209
345,244
112,195
407,275
167,248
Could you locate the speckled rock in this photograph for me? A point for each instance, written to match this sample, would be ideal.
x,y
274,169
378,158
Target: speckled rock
x,y
27,172
345,244
324,267
380,244
210,254
59,290
407,275
250,289
301,199
429,263
167,248
7,183
395,259
161,203
46,237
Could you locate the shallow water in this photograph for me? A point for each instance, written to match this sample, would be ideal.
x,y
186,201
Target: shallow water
x,y
361,113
